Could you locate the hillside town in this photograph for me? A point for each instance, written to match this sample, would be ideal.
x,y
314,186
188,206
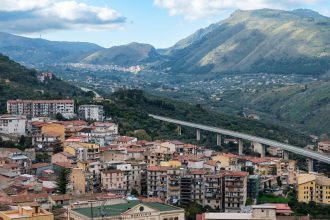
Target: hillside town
x,y
82,168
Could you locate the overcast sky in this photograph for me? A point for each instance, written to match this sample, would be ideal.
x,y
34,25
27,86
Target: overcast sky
x,y
114,22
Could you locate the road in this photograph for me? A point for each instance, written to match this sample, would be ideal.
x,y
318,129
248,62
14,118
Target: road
x,y
297,150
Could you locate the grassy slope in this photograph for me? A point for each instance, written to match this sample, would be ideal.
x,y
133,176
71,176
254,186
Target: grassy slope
x,y
307,106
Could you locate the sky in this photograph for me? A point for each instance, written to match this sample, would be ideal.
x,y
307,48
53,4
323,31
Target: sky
x,y
160,23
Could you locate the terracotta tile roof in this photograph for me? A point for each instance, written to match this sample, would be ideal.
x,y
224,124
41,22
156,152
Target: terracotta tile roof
x,y
9,165
176,142
135,150
64,197
74,122
158,168
125,139
199,172
28,198
38,165
211,162
52,134
230,155
189,146
236,173
65,165
143,199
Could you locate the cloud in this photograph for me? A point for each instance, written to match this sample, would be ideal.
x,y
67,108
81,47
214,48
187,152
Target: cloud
x,y
193,9
35,16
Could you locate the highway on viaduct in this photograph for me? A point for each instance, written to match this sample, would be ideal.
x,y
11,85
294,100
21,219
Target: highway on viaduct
x,y
287,147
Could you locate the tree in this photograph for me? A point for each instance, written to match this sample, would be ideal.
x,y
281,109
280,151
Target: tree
x,y
279,181
42,157
192,210
60,117
134,192
63,180
21,141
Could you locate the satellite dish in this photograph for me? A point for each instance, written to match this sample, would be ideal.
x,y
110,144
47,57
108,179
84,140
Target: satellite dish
x,y
40,146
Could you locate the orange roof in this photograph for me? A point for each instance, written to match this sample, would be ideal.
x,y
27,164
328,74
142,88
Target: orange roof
x,y
143,199
60,197
158,168
176,142
52,134
236,173
38,165
199,172
9,165
211,162
64,164
28,198
229,155
74,122
125,139
189,146
134,150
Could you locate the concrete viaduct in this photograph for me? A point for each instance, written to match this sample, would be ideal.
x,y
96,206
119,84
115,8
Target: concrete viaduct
x,y
310,155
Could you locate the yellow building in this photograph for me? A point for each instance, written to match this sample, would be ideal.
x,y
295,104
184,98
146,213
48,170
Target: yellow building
x,y
54,127
27,213
313,187
83,151
228,161
171,163
131,210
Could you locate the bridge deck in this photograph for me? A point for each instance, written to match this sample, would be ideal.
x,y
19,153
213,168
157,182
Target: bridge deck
x,y
297,150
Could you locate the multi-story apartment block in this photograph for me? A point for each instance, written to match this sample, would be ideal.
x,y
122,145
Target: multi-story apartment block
x,y
41,108
101,133
157,182
197,185
114,181
13,125
235,190
185,189
213,194
313,187
81,181
253,186
174,175
91,112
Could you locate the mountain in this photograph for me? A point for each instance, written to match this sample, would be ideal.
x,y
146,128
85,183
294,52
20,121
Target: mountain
x,y
39,51
18,82
124,55
263,40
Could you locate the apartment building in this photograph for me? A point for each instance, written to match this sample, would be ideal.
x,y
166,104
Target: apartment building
x,y
213,190
101,133
197,185
173,185
313,187
81,182
13,124
83,151
157,182
91,112
114,181
41,108
235,190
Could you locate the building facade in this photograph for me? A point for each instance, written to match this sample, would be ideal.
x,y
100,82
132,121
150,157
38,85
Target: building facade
x,y
13,124
91,112
41,108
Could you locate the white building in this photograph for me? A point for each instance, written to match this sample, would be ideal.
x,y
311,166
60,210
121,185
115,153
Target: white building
x,y
41,108
101,133
91,112
13,124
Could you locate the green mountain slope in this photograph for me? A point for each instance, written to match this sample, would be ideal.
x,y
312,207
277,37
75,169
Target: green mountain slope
x,y
306,106
124,55
18,82
257,41
39,51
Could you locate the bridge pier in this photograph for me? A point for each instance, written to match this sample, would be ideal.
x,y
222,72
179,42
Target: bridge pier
x,y
285,155
310,164
218,139
263,150
240,147
198,135
179,130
